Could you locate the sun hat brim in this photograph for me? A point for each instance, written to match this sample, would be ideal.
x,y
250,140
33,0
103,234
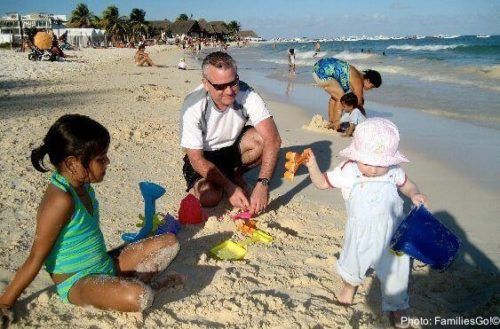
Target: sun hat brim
x,y
373,160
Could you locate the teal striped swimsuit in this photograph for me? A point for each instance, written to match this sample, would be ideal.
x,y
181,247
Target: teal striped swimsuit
x,y
80,246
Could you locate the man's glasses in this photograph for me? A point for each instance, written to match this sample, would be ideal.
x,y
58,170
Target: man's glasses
x,y
223,86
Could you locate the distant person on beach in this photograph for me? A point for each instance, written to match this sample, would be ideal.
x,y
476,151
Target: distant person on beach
x,y
291,60
337,77
56,51
317,49
141,57
68,239
182,64
351,115
369,180
227,129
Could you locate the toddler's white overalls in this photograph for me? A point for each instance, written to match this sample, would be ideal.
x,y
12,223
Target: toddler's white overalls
x,y
374,211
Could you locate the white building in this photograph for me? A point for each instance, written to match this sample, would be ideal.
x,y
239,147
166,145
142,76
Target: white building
x,y
14,24
10,24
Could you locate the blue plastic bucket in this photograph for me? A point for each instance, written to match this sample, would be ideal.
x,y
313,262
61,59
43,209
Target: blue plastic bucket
x,y
421,236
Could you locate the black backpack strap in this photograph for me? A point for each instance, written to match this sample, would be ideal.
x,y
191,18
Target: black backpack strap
x,y
236,106
204,116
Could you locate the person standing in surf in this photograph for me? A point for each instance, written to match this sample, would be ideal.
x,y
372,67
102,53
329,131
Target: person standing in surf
x,y
337,78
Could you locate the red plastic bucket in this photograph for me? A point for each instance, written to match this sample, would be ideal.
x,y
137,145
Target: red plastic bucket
x,y
190,211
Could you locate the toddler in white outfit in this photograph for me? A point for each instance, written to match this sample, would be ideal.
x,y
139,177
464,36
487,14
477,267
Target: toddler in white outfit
x,y
182,64
369,180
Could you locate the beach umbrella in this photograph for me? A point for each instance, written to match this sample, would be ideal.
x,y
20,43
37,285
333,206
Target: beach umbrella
x,y
43,40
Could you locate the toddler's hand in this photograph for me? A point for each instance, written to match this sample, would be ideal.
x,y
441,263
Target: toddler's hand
x,y
311,159
419,199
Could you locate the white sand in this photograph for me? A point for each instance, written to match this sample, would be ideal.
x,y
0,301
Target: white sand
x,y
289,284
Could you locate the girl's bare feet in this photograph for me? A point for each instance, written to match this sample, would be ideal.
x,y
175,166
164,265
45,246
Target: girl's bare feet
x,y
346,294
400,319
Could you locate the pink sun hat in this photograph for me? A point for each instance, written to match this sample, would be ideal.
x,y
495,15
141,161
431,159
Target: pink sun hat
x,y
375,143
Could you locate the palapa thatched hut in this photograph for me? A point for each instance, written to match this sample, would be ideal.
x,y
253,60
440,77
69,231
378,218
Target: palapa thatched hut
x,y
189,28
220,29
207,31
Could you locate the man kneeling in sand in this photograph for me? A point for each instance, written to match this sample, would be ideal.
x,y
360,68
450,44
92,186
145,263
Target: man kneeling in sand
x,y
141,57
226,129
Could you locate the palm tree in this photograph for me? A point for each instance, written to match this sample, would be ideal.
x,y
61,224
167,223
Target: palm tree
x,y
116,27
82,17
137,15
182,17
138,25
234,27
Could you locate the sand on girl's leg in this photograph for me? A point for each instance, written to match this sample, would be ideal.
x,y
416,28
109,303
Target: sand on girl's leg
x,y
146,298
156,263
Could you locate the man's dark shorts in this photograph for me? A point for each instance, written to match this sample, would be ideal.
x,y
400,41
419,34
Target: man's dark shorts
x,y
226,159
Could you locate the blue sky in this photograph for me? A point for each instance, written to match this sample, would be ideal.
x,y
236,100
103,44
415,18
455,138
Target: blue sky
x,y
316,18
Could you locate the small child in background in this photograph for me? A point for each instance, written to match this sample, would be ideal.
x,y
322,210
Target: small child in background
x,y
291,60
369,180
182,64
68,239
351,115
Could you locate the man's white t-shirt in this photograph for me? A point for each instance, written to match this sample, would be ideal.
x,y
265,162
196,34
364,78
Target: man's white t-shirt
x,y
205,127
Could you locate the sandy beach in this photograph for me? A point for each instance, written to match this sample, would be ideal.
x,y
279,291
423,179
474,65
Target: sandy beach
x,y
288,284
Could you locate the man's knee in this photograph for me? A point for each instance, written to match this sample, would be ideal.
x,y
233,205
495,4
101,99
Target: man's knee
x,y
211,198
252,141
208,193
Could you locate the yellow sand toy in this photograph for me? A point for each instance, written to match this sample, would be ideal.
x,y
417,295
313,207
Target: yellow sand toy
x,y
293,162
231,250
256,235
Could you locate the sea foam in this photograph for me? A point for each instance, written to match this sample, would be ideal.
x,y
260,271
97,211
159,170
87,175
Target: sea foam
x,y
424,47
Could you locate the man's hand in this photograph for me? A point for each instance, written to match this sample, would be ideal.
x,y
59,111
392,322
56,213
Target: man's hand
x,y
259,199
237,197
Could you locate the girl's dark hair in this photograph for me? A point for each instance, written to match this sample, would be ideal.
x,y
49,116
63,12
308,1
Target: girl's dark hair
x,y
374,77
71,135
350,99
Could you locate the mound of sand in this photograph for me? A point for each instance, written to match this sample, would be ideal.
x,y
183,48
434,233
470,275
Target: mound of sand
x,y
319,125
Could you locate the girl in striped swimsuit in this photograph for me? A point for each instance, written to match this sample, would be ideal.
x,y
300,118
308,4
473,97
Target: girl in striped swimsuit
x,y
68,238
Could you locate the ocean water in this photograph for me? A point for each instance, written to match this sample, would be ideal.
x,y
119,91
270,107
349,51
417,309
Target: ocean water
x,y
454,77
